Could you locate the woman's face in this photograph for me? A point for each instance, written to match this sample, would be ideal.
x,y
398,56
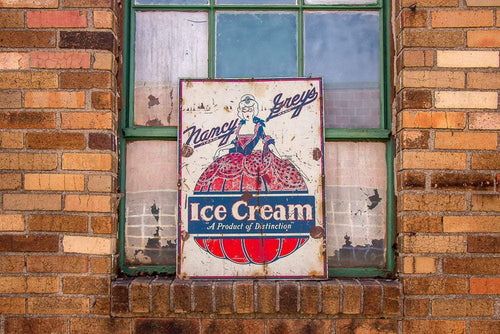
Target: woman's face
x,y
247,112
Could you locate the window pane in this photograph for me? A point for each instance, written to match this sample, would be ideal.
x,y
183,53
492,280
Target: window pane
x,y
168,45
256,45
171,2
151,203
337,2
343,48
356,188
256,2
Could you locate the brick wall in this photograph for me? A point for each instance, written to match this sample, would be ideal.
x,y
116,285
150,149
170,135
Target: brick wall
x,y
447,62
58,177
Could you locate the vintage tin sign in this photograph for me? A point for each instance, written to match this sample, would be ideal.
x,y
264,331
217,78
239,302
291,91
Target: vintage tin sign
x,y
251,179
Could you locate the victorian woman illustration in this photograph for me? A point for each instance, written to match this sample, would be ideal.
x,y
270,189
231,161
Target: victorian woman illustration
x,y
252,162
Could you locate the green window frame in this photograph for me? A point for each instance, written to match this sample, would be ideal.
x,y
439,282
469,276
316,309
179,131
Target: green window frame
x,y
131,132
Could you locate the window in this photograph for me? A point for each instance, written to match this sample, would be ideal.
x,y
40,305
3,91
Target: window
x,y
343,41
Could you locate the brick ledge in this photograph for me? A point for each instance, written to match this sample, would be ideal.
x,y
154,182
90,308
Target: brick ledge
x,y
341,298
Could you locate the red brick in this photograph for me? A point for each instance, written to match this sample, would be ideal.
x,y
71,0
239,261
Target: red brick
x,y
58,305
101,265
352,293
413,18
348,326
11,264
484,326
53,141
29,243
309,297
434,326
416,307
160,296
244,297
29,3
139,295
456,181
60,59
12,19
483,244
101,100
484,286
166,326
9,305
27,120
35,325
182,296
297,326
103,225
417,99
422,224
483,38
485,161
435,285
288,297
56,19
84,80
372,297
58,223
266,297
85,285
120,297
414,181
28,80
485,203
100,326
472,266
27,39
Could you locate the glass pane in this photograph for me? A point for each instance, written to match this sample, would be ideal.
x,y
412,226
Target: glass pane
x,y
168,45
338,2
151,203
356,188
344,49
256,45
171,2
256,2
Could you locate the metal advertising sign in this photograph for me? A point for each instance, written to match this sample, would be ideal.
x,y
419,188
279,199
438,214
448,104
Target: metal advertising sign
x,y
250,179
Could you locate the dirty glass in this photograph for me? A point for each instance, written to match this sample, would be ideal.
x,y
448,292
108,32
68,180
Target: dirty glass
x,y
256,2
356,200
150,203
256,45
344,49
168,45
339,2
171,2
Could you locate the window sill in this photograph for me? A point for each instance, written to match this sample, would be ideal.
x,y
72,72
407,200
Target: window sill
x,y
339,298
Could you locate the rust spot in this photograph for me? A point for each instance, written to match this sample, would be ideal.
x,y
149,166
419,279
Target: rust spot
x,y
226,108
154,122
184,235
153,101
189,83
316,232
316,154
187,151
247,196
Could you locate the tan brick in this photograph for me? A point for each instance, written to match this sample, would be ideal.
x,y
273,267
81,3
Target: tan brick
x,y
416,307
12,284
433,79
56,19
58,305
101,100
100,183
485,161
42,59
9,305
103,19
10,181
432,38
421,224
483,244
434,244
484,203
435,285
414,58
28,161
330,297
471,224
483,38
424,265
460,182
430,3
65,182
29,3
10,99
88,245
483,80
483,3
433,119
103,61
410,180
434,326
101,306
86,161
485,286
12,19
139,295
31,202
11,264
55,140
88,203
484,326
467,59
14,60
67,100
58,223
413,18
102,225
28,80
100,265
27,39
57,264
466,99
434,160
27,120
461,18
484,121
100,326
433,202
11,222
88,3
466,140
40,284
11,140
87,120
36,325
85,285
